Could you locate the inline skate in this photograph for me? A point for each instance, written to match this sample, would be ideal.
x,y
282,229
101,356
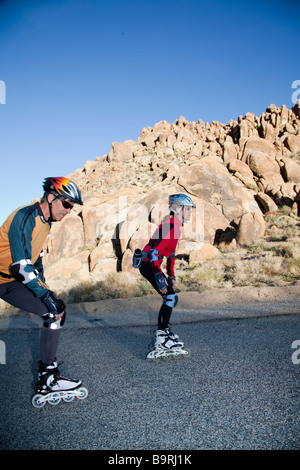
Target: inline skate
x,y
166,345
52,387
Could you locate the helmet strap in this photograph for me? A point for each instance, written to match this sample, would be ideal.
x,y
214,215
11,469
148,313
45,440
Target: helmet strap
x,y
177,213
50,208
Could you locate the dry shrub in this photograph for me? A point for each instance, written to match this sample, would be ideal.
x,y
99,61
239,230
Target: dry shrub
x,y
294,268
113,286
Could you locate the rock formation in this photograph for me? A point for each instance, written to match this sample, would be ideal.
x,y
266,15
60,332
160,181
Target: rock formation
x,y
235,173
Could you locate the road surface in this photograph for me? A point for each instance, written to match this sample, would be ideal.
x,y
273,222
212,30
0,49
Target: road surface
x,y
240,389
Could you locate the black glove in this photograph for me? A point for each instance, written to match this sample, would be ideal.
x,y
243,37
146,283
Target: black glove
x,y
171,280
160,281
53,303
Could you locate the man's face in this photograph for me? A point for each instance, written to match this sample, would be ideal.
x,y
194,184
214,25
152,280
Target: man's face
x,y
60,208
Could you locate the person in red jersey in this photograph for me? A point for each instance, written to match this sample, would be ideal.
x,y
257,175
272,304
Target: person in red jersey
x,y
162,244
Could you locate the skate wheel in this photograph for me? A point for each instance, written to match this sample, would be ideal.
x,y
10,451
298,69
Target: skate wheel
x,y
54,400
37,401
152,358
83,393
166,358
181,353
187,353
68,398
175,356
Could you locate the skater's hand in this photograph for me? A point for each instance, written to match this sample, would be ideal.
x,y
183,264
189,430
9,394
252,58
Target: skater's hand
x,y
163,291
58,316
172,283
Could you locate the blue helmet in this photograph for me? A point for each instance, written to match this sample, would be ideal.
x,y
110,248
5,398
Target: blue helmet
x,y
180,200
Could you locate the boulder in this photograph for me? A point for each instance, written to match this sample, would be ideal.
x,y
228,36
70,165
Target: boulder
x,y
288,193
290,170
260,163
229,150
103,251
120,152
204,253
292,142
205,221
251,228
266,202
65,239
260,145
127,261
106,265
238,166
218,188
64,268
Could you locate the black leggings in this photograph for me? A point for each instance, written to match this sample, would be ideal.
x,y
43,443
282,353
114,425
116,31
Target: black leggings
x,y
165,312
18,295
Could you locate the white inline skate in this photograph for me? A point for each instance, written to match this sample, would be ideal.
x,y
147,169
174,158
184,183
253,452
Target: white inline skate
x,y
166,345
52,387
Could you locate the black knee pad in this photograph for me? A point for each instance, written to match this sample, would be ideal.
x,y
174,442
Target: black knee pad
x,y
170,300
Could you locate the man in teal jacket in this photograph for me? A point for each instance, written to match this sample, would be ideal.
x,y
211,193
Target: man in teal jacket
x,y
22,283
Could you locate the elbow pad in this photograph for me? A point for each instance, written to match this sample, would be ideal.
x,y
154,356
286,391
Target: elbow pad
x,y
138,258
23,271
153,255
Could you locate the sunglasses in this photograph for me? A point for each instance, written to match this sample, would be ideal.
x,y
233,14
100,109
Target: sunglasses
x,y
66,204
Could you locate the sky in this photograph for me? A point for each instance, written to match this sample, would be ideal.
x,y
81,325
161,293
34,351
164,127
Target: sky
x,y
77,75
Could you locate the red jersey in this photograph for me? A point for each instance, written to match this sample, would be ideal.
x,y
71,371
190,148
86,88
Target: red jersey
x,y
163,243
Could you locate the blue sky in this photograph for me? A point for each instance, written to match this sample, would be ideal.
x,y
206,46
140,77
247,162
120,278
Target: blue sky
x,y
80,74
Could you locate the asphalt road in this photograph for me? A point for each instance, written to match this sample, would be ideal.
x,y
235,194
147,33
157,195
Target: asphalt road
x,y
240,389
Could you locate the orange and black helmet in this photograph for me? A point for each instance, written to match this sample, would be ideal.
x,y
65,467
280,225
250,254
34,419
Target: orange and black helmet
x,y
63,187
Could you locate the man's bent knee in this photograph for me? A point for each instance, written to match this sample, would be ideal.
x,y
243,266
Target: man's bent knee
x,y
50,322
